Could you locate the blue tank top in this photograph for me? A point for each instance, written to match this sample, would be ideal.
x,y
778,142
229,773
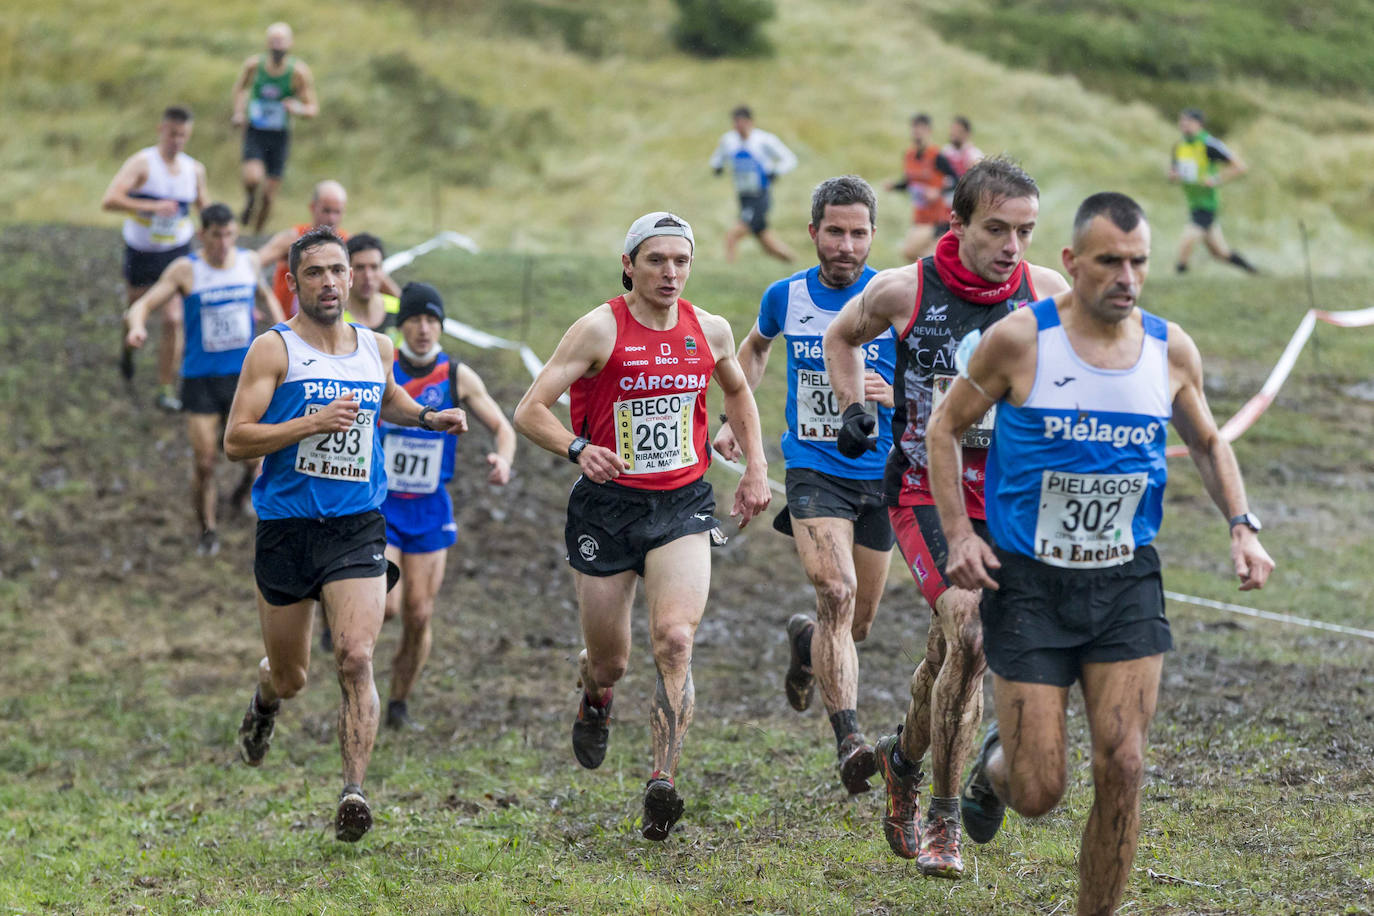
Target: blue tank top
x,y
331,474
1076,475
800,308
419,461
219,316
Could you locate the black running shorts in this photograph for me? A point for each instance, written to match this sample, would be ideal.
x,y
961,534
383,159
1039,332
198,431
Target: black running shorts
x,y
295,557
815,494
611,527
142,268
1044,623
1203,219
209,394
753,211
269,146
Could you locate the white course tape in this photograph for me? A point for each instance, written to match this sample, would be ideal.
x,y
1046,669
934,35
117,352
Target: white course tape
x,y
1244,418
1270,615
1231,429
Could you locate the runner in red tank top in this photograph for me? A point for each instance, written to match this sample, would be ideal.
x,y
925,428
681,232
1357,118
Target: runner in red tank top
x,y
925,173
976,276
638,368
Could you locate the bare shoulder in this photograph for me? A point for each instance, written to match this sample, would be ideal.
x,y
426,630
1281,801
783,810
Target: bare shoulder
x,y
1183,351
266,355
592,336
893,290
1014,332
385,348
302,70
1047,281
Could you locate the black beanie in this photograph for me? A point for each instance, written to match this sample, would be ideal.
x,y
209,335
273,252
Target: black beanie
x,y
420,299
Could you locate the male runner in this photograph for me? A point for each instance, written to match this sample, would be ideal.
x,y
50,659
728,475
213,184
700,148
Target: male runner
x,y
219,288
976,277
309,399
835,504
327,203
638,367
419,513
270,89
1084,384
925,172
756,158
367,302
156,187
1202,163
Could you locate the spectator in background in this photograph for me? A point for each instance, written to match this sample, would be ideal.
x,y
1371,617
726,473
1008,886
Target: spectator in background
x,y
1202,163
756,158
925,173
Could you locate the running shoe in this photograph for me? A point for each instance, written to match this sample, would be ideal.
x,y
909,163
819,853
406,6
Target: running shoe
x,y
799,682
857,763
354,816
979,805
939,856
398,717
208,546
255,732
167,400
590,732
901,824
662,808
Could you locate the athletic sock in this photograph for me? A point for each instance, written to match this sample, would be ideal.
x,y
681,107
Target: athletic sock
x,y
396,708
601,703
903,766
944,807
1180,267
1243,264
845,722
265,709
804,644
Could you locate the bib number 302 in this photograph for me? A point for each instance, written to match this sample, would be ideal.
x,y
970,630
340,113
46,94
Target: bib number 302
x,y
1085,520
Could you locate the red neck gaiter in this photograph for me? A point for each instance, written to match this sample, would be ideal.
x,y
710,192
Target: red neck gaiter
x,y
966,284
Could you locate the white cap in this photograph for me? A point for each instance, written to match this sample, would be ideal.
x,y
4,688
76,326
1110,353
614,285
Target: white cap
x,y
660,222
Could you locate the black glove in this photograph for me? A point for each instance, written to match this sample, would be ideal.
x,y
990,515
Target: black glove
x,y
855,430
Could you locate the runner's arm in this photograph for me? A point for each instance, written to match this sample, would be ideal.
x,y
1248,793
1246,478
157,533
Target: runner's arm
x,y
202,188
1215,460
1047,281
473,393
585,347
276,249
245,435
784,160
753,359
400,408
752,495
968,398
117,198
239,94
717,161
862,319
305,104
175,281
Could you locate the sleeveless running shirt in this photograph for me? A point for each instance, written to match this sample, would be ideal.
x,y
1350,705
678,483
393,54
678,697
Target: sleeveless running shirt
x,y
266,108
800,308
329,474
219,316
420,461
648,403
145,232
925,182
925,370
1076,475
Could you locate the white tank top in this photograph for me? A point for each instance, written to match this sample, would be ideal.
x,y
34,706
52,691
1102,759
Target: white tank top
x,y
145,232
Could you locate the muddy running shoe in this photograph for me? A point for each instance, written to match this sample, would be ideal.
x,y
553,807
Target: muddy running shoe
x,y
354,816
590,732
398,717
901,824
662,808
255,732
981,809
799,682
208,546
939,856
857,763
167,400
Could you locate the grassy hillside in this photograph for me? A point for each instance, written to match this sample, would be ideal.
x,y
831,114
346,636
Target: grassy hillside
x,y
541,125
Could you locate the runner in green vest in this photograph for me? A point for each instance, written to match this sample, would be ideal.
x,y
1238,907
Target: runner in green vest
x,y
1202,163
270,89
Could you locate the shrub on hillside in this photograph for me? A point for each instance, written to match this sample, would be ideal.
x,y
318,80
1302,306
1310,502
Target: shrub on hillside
x,y
723,28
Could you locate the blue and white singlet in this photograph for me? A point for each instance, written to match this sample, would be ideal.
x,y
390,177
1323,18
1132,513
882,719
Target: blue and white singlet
x,y
1076,475
219,316
420,461
330,474
800,308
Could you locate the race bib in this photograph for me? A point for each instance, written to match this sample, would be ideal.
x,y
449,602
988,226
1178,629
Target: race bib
x,y
225,327
163,229
412,463
267,114
1187,170
655,434
818,410
1085,519
345,455
979,435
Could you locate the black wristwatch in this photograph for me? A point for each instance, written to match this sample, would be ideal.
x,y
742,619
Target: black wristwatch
x,y
575,450
425,412
1248,519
